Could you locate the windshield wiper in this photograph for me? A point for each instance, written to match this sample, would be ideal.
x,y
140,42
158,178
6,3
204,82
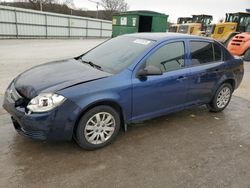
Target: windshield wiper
x,y
92,64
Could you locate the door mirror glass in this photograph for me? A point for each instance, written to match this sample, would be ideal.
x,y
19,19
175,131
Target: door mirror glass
x,y
149,71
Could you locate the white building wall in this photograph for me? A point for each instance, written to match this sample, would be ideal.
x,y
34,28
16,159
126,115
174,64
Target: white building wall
x,y
17,22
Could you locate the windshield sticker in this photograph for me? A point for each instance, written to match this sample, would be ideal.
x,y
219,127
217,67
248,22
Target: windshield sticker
x,y
142,41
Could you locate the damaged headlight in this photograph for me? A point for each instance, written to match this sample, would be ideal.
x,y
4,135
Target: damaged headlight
x,y
45,102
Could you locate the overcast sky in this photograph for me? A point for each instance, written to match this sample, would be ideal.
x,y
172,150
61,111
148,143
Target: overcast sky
x,y
180,8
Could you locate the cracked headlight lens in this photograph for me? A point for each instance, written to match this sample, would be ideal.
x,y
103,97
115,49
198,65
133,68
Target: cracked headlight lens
x,y
45,102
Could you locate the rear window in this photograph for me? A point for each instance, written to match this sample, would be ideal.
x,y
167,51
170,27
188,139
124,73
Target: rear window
x,y
205,52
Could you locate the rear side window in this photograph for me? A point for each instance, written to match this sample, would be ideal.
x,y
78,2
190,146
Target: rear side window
x,y
217,52
204,52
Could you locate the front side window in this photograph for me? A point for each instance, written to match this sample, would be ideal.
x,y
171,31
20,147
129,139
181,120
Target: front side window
x,y
205,52
169,57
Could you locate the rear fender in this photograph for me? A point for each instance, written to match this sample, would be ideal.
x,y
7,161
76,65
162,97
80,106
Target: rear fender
x,y
228,77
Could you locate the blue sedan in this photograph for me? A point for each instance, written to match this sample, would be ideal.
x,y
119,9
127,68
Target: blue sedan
x,y
124,80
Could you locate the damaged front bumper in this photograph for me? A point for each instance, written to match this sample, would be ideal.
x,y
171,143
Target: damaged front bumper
x,y
57,124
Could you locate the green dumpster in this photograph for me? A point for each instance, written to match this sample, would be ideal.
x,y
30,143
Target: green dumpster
x,y
138,21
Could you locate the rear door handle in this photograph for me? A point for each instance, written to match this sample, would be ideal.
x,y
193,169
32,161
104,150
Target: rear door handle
x,y
216,70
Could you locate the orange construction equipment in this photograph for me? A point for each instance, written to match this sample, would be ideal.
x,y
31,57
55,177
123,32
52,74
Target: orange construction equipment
x,y
240,45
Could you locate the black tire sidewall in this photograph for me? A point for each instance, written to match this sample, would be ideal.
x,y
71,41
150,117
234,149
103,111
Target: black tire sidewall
x,y
213,106
80,137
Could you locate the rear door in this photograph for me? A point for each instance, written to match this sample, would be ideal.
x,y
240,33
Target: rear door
x,y
207,68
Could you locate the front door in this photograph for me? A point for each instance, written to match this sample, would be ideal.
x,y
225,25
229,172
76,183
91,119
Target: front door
x,y
159,94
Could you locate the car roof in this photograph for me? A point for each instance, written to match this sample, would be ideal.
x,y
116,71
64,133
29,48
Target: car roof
x,y
165,36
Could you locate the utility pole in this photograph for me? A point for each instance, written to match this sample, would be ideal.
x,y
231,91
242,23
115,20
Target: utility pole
x,y
41,5
71,5
97,7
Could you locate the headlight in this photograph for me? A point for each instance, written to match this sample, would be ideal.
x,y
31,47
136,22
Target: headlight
x,y
45,102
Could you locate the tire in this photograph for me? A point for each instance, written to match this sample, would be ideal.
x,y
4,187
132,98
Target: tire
x,y
247,55
221,98
98,127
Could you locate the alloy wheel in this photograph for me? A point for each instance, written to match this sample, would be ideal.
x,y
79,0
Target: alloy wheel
x,y
223,97
99,128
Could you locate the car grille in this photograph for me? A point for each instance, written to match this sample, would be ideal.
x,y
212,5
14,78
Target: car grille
x,y
237,40
210,30
183,29
29,133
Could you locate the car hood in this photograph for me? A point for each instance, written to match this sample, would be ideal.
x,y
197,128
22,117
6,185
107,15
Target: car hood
x,y
55,76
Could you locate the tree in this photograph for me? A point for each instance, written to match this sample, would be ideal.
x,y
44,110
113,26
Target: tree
x,y
38,4
113,6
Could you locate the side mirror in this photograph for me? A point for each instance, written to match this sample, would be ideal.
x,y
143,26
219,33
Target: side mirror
x,y
149,71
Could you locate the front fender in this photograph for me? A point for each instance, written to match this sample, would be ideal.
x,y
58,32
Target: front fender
x,y
116,89
106,98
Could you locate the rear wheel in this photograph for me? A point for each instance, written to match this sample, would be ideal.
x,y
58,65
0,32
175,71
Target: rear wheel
x,y
221,98
247,55
98,127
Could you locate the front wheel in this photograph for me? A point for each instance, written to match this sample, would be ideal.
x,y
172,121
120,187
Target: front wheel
x,y
98,127
221,98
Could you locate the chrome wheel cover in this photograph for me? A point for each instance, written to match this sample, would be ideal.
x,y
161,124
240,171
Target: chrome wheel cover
x,y
223,97
99,128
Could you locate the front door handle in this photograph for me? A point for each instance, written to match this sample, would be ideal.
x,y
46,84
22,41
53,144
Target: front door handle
x,y
180,78
203,74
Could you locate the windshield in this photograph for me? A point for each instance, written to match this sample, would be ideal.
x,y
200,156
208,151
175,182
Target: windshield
x,y
184,20
207,21
232,18
117,54
245,21
196,19
202,19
